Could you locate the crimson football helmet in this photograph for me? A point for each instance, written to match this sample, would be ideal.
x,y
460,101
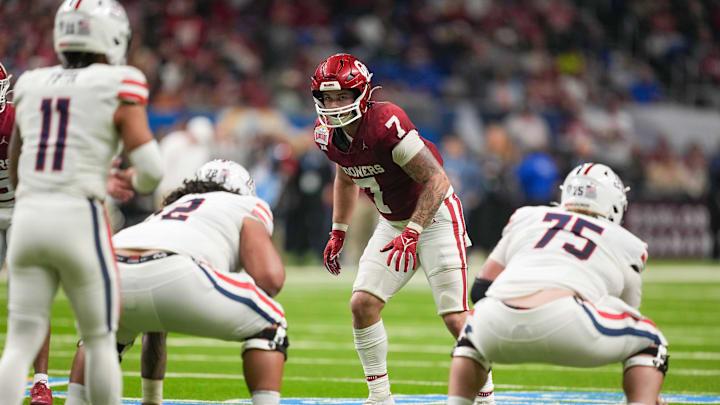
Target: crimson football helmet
x,y
92,26
4,86
337,72
595,188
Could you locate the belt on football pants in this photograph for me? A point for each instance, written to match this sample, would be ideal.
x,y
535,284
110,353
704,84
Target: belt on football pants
x,y
137,259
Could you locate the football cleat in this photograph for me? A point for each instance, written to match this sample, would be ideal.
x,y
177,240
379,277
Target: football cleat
x,y
40,394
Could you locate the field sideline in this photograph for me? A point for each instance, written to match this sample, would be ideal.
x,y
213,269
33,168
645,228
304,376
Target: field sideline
x,y
683,298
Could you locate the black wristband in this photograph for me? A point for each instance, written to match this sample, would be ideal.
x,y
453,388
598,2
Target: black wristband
x,y
479,288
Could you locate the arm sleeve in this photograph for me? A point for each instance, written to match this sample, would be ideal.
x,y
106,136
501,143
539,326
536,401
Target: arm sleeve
x,y
407,148
146,159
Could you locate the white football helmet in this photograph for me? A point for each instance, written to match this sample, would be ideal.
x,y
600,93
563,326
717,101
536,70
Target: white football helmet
x,y
230,175
93,26
595,188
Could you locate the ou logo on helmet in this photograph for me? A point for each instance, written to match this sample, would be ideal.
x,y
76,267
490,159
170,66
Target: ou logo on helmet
x,y
363,70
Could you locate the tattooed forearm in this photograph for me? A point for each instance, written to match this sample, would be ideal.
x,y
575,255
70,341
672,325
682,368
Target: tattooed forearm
x,y
424,169
430,199
154,355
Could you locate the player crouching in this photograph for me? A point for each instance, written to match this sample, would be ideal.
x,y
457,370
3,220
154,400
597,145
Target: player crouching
x,y
564,287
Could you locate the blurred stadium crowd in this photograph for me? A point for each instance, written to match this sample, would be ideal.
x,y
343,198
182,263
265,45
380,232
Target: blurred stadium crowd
x,y
513,92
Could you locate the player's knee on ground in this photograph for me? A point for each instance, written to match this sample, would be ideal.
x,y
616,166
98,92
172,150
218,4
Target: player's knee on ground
x,y
270,339
651,357
465,348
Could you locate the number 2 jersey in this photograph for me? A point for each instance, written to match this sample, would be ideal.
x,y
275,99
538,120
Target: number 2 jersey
x,y
550,247
203,226
66,124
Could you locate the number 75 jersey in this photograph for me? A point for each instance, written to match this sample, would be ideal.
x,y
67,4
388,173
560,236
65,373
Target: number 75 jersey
x,y
548,247
66,118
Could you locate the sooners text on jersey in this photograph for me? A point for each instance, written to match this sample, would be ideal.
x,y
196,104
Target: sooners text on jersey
x,y
369,161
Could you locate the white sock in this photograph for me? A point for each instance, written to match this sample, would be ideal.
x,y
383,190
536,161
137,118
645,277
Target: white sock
x,y
264,397
40,377
371,344
455,400
489,387
75,394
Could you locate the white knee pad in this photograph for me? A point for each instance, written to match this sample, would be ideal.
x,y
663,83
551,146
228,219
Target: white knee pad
x,y
269,339
465,348
651,357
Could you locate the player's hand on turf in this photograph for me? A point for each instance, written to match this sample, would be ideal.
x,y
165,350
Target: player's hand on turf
x,y
332,251
405,246
119,185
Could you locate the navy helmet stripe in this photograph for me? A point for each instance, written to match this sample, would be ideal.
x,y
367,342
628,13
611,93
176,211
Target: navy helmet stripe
x,y
247,301
103,266
620,332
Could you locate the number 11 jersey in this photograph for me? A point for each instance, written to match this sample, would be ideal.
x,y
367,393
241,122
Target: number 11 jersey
x,y
66,125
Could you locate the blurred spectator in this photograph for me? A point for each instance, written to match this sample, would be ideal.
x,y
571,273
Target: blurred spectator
x,y
645,88
713,203
539,177
464,172
184,151
696,173
665,171
302,208
486,221
528,129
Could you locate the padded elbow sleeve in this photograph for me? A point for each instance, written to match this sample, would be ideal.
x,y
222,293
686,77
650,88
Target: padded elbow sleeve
x,y
148,163
479,288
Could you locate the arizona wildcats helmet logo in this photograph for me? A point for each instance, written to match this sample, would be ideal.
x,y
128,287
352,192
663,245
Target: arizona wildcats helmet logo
x,y
322,136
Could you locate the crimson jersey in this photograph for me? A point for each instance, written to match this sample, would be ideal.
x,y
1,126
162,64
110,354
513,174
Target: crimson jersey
x,y
7,118
369,160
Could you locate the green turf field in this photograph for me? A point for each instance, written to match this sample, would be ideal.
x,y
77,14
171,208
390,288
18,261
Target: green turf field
x,y
682,298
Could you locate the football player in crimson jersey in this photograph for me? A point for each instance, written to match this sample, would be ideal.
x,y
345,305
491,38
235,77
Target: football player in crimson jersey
x,y
565,289
40,393
70,120
378,149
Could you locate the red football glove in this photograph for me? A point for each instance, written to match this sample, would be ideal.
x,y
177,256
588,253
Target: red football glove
x,y
332,251
406,246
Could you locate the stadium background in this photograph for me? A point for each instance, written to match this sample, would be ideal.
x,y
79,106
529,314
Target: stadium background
x,y
513,92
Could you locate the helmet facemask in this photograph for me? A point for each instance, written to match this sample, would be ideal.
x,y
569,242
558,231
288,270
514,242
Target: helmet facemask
x,y
4,89
339,116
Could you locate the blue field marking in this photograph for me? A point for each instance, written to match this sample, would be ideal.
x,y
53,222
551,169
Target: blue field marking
x,y
502,398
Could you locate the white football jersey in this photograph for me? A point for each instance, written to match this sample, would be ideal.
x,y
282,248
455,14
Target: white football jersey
x,y
204,226
550,247
66,123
